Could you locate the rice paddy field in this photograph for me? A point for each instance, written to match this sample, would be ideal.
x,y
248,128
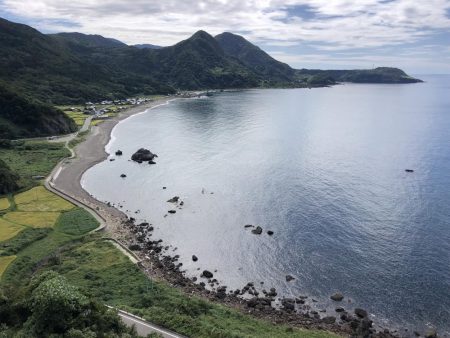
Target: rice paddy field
x,y
4,203
37,223
77,116
8,230
40,199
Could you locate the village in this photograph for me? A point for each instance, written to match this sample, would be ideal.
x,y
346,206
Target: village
x,y
105,109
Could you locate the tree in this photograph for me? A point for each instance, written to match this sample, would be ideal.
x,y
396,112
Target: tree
x,y
56,305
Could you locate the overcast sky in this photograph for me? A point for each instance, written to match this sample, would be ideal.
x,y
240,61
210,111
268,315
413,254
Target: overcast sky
x,y
410,34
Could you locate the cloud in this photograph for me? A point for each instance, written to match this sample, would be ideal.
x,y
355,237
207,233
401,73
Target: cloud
x,y
323,25
418,61
340,23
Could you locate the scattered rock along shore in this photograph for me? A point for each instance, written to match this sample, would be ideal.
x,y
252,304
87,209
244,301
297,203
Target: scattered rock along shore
x,y
158,260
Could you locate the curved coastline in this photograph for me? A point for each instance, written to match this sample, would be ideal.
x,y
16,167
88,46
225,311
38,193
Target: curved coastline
x,y
95,150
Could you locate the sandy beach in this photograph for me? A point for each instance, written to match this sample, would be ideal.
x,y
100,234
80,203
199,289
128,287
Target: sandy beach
x,y
66,178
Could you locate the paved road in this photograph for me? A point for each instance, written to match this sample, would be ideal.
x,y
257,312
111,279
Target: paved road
x,y
143,328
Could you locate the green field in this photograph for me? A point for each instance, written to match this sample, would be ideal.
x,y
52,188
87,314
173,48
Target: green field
x,y
33,246
32,158
24,238
49,223
75,222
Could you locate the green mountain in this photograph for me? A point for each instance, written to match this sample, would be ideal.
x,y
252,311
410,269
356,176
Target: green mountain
x,y
147,46
88,40
61,70
22,118
8,179
69,68
376,75
197,63
74,67
255,58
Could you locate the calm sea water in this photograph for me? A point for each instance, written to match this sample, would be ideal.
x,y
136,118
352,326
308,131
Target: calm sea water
x,y
324,169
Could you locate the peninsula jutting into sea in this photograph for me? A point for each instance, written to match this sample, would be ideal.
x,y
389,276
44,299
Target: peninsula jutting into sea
x,y
202,188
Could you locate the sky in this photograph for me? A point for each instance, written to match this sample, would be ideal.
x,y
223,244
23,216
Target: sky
x,y
329,34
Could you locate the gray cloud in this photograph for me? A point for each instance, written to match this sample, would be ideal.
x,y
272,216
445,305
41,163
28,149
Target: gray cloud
x,y
326,25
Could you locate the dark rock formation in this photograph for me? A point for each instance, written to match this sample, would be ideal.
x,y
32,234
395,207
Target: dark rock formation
x,y
409,170
143,155
119,152
288,304
174,199
257,231
207,274
172,211
360,313
194,258
270,232
337,297
123,175
329,320
135,247
289,278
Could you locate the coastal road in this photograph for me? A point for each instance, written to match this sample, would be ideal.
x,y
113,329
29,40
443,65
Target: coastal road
x,y
144,328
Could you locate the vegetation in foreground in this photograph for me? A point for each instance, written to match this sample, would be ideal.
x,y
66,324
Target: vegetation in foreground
x,y
103,273
49,306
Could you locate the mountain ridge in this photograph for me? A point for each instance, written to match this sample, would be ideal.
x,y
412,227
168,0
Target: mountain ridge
x,y
68,68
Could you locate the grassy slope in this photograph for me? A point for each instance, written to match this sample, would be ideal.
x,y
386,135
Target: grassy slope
x,y
104,273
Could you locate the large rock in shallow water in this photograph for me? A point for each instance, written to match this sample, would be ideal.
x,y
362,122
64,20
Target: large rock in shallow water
x,y
337,297
143,155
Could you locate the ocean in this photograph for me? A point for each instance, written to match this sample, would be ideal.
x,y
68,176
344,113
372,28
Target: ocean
x,y
324,169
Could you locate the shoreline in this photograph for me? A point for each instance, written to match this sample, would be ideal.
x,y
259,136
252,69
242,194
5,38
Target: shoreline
x,y
156,264
66,177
